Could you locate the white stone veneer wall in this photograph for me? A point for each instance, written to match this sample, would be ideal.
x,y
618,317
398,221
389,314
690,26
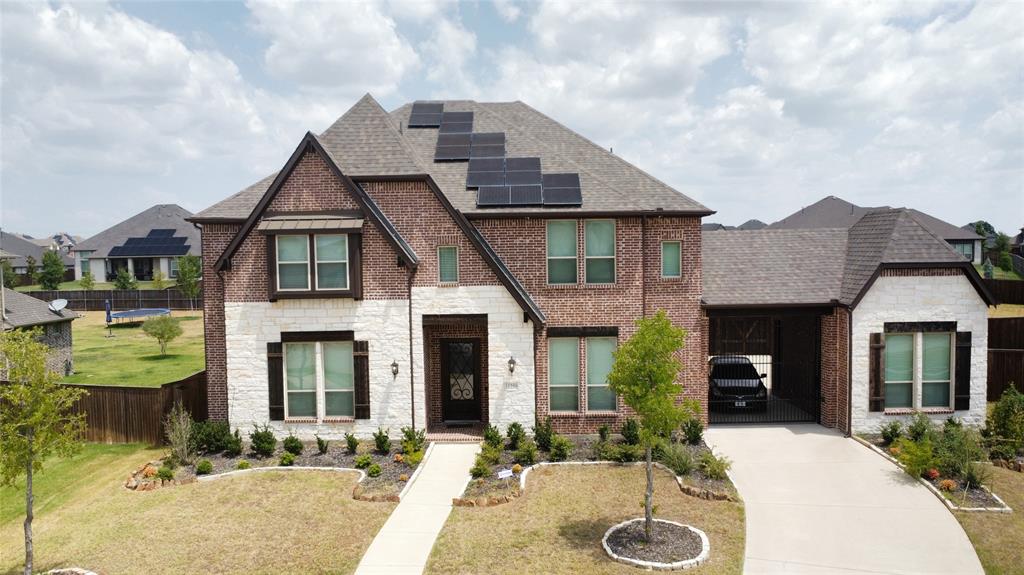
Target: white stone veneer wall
x,y
384,324
898,299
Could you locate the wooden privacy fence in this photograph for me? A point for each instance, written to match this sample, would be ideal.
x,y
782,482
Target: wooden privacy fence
x,y
93,300
135,414
1007,291
1005,355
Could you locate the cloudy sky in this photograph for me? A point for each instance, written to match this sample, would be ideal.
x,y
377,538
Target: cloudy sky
x,y
753,109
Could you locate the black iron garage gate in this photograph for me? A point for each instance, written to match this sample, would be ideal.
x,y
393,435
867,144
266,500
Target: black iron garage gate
x,y
764,365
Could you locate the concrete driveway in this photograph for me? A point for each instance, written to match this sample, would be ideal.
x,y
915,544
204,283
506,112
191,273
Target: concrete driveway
x,y
818,502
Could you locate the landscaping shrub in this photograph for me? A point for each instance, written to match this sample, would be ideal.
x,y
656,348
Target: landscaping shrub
x,y
542,434
373,470
678,458
527,452
947,485
490,455
916,456
891,431
243,464
413,439
1000,448
363,461
262,441
321,445
210,436
292,445
631,431
351,443
603,432
693,431
952,422
381,441
1006,421
516,434
606,451
919,427
479,469
178,427
287,459
124,280
714,467
977,475
932,474
561,448
627,453
413,459
163,329
204,467
165,473
517,469
956,449
492,436
234,445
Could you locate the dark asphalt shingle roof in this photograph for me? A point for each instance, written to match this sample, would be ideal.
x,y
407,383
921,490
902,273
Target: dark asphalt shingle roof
x,y
160,216
22,310
19,248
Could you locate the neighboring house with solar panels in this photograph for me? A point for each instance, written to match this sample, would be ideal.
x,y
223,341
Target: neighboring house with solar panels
x,y
21,249
454,264
148,241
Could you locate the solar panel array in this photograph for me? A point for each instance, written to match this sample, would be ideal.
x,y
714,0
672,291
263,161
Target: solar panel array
x,y
158,242
500,181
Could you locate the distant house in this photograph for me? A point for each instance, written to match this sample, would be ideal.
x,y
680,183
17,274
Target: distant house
x,y
21,249
58,241
23,311
713,227
833,212
752,225
148,241
1017,243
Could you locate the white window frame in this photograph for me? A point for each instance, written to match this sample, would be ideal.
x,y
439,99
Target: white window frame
x,y
586,372
662,262
322,383
320,392
952,373
277,262
457,270
913,372
318,261
172,268
613,257
575,257
579,380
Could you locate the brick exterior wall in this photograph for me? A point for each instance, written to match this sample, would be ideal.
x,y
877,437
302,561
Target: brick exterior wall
x,y
432,335
58,337
835,369
215,240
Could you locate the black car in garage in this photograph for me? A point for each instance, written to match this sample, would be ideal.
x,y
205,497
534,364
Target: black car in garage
x,y
733,383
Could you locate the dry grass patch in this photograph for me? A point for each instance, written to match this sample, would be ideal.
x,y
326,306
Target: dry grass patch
x,y
557,526
998,537
259,523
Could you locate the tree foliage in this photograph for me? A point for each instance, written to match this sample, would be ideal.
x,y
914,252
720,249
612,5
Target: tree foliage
x,y
983,228
30,270
190,270
87,282
125,280
10,280
164,329
158,280
52,273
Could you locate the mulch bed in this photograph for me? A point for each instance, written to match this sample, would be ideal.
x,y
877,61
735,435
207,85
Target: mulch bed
x,y
669,543
974,497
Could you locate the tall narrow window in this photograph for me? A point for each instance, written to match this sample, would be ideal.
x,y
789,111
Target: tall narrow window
x,y
935,367
331,262
671,260
561,252
300,379
564,373
448,264
292,262
600,397
899,370
339,379
173,268
599,244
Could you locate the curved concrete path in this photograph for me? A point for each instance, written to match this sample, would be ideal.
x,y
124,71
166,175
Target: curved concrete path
x,y
817,502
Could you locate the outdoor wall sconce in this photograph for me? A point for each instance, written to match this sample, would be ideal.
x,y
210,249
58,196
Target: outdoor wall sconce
x,y
512,365
394,368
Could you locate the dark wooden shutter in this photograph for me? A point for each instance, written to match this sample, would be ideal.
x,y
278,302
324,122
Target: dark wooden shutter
x,y
355,262
962,371
361,361
876,372
275,381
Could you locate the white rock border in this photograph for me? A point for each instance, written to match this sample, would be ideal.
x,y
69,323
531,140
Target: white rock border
x,y
657,565
75,570
949,504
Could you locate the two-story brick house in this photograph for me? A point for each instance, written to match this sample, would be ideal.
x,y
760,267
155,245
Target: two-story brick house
x,y
450,264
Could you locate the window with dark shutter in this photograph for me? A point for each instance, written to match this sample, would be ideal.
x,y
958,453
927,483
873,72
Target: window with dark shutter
x,y
361,364
275,381
876,372
962,371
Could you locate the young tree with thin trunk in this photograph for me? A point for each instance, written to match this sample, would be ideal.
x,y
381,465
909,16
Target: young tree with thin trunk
x,y
87,282
644,376
53,271
163,329
30,270
190,270
35,419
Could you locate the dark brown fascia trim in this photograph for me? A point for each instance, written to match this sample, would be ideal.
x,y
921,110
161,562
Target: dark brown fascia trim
x,y
337,213
966,267
313,231
774,306
200,221
307,336
563,214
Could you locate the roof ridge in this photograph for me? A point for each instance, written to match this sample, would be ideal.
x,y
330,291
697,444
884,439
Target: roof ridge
x,y
909,212
389,121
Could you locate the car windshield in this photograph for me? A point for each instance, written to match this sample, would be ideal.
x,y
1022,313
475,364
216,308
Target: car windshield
x,y
743,370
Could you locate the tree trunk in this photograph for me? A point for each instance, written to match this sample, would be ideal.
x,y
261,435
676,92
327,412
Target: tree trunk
x,y
649,498
28,513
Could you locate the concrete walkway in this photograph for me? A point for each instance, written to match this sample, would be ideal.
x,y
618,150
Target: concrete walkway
x,y
817,502
403,544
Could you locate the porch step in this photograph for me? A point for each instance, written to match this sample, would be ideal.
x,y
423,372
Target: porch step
x,y
454,436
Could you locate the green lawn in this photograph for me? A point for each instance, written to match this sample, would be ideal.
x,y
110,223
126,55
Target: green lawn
x,y
997,537
998,273
131,357
70,286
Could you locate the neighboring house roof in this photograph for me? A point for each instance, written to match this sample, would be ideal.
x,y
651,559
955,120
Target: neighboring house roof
x,y
158,217
20,248
944,230
710,227
367,142
752,225
22,310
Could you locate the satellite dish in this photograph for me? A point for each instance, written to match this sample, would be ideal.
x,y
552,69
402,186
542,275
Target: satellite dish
x,y
58,304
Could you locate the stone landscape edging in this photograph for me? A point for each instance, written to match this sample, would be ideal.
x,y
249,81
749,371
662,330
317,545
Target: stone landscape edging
x,y
949,504
657,565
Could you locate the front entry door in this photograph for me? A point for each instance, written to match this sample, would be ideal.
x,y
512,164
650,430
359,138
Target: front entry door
x,y
460,380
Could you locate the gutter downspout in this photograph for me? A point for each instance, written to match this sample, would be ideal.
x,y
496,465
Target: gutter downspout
x,y
410,272
849,372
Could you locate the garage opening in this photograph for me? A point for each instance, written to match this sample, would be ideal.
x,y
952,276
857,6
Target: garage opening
x,y
764,366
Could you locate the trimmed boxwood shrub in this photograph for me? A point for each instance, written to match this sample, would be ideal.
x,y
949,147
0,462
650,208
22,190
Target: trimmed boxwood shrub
x,y
381,441
492,436
351,443
243,464
204,467
292,445
210,436
374,470
363,461
561,448
543,432
287,459
527,452
234,446
262,441
165,473
516,434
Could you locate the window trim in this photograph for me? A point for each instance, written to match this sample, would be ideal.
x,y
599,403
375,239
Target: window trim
x,y
278,263
586,370
172,268
678,243
917,372
325,390
576,386
951,382
575,257
440,279
320,391
317,262
913,370
613,257
355,274
316,380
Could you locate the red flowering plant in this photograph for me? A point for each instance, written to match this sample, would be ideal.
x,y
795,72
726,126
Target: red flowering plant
x,y
932,474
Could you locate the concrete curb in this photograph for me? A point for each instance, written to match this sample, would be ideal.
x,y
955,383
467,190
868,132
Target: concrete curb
x,y
655,565
949,504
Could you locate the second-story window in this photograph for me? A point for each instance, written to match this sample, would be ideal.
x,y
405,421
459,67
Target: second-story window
x,y
292,262
599,247
331,262
561,252
671,260
448,264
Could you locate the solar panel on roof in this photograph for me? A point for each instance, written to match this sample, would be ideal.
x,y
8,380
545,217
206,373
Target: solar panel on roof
x,y
476,179
487,164
562,197
424,120
454,140
488,138
427,107
526,195
456,117
524,178
493,196
456,127
451,153
160,233
487,151
522,164
561,180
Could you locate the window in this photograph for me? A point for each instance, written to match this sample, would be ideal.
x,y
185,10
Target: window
x,y
899,370
564,373
918,369
319,374
671,260
599,364
448,264
599,248
561,252
292,262
965,249
83,258
935,368
173,266
331,262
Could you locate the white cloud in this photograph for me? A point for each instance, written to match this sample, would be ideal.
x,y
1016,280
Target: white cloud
x,y
448,52
508,10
